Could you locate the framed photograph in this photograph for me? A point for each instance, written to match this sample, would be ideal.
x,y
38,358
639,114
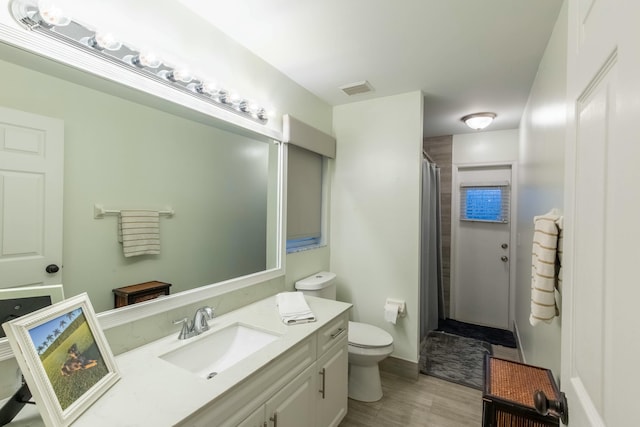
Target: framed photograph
x,y
64,357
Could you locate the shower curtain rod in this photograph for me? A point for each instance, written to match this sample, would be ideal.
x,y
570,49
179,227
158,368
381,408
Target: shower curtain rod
x,y
428,157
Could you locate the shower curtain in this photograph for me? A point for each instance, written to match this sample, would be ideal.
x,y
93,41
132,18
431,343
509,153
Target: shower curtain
x,y
431,288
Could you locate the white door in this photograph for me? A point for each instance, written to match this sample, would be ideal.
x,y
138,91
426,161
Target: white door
x,y
31,163
482,255
600,340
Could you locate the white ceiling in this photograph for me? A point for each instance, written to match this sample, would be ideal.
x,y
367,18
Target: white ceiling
x,y
465,55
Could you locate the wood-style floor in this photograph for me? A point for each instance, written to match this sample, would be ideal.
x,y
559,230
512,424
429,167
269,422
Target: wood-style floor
x,y
427,401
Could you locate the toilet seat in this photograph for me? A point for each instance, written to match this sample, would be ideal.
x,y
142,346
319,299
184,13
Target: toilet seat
x,y
363,335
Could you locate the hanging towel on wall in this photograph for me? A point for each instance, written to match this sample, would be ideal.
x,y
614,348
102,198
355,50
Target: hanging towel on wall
x,y
139,232
546,274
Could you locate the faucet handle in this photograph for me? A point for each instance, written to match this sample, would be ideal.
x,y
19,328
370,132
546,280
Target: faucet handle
x,y
186,331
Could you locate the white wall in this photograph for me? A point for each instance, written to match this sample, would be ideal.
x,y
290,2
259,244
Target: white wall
x,y
375,211
485,147
541,186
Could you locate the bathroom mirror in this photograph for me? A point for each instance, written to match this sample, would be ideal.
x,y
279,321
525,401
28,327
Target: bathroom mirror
x,y
132,149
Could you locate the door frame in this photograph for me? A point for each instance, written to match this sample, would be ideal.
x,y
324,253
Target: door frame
x,y
513,215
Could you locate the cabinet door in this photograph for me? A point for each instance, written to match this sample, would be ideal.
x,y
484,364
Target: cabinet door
x,y
294,405
256,419
332,370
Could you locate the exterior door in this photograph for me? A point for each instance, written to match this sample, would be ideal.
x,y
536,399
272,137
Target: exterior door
x,y
482,255
31,173
600,341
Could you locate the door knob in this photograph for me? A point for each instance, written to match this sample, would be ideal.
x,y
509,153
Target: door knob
x,y
52,268
504,246
543,405
504,258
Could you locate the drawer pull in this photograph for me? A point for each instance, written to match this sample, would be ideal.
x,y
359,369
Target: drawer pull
x,y
274,419
337,333
323,373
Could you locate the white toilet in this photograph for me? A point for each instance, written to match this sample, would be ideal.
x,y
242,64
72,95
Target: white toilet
x,y
368,344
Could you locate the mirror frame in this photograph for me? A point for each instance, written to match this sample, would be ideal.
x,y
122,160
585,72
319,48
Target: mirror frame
x,y
46,50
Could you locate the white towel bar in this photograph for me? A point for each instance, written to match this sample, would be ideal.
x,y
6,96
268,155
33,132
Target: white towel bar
x,y
99,212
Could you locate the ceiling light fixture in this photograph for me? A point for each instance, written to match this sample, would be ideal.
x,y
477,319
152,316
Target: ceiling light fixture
x,y
46,19
478,121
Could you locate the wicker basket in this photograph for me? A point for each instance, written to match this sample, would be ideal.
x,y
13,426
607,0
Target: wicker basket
x,y
508,394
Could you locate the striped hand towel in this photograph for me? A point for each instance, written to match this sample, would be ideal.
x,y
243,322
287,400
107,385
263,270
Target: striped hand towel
x,y
139,232
546,256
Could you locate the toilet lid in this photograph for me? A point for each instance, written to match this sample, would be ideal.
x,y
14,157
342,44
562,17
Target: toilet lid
x,y
364,335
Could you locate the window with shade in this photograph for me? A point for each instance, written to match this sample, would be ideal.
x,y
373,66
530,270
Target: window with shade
x,y
304,196
485,203
307,152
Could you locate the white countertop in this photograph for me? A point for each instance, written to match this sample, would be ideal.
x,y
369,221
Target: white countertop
x,y
154,392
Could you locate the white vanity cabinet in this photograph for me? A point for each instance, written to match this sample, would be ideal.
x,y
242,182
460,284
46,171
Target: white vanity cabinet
x,y
256,419
333,374
290,407
305,386
332,369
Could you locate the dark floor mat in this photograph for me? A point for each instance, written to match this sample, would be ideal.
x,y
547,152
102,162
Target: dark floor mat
x,y
495,336
454,358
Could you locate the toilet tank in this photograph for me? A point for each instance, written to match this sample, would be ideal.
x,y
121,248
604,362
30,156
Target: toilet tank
x,y
322,284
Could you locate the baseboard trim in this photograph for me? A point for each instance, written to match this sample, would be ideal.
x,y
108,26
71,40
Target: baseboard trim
x,y
516,333
400,367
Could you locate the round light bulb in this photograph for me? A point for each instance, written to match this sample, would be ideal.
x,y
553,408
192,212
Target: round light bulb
x,y
180,74
52,14
106,41
146,59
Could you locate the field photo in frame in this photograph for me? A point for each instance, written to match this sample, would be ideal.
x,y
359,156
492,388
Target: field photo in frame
x,y
64,357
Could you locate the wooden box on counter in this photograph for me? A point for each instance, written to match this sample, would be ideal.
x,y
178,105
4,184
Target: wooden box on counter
x,y
132,294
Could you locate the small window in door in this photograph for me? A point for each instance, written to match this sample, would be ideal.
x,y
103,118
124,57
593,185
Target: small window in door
x,y
486,203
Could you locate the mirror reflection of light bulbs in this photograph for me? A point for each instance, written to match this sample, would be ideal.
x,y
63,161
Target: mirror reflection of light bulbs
x,y
52,14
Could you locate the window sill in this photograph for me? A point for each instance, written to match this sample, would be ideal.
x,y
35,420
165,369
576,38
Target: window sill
x,y
305,248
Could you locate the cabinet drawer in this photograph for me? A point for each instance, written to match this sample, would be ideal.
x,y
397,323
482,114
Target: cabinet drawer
x,y
331,333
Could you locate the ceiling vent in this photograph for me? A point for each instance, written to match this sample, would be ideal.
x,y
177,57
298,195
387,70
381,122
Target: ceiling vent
x,y
357,87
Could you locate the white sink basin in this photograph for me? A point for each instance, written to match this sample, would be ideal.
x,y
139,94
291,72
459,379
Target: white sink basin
x,y
213,352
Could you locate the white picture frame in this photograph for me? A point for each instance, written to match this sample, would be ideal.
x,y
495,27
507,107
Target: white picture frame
x,y
64,357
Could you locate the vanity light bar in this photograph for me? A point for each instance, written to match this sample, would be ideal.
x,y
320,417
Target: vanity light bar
x,y
54,24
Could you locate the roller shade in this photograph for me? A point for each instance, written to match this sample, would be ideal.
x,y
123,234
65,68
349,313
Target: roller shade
x,y
304,194
302,135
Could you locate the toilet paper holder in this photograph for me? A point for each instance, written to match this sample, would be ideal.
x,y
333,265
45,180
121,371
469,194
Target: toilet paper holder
x,y
402,306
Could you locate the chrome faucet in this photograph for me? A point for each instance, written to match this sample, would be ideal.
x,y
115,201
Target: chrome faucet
x,y
197,326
